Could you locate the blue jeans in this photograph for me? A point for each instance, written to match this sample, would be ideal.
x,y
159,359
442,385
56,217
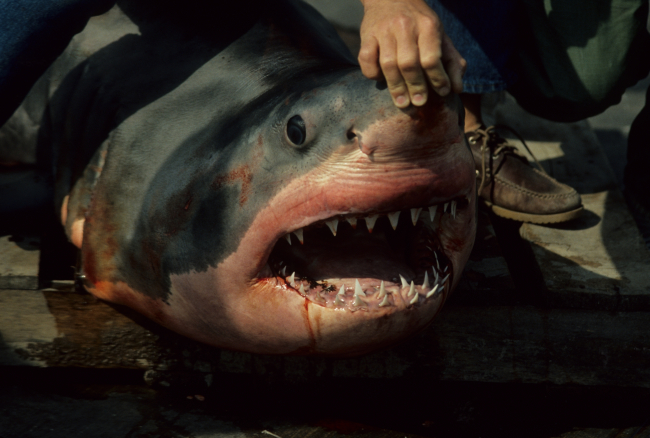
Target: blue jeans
x,y
486,34
33,33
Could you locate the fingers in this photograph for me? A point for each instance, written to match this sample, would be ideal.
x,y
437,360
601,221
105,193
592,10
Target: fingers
x,y
399,59
369,58
408,67
412,77
404,42
455,65
431,58
389,62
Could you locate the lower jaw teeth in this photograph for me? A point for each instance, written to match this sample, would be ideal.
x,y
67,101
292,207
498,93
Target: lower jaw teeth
x,y
348,293
358,298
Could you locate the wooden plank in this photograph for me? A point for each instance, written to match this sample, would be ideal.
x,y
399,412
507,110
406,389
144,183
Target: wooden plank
x,y
629,432
24,319
486,272
560,346
598,261
346,428
53,328
19,258
466,343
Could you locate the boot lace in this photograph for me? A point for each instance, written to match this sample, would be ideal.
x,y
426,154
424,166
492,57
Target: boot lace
x,y
496,145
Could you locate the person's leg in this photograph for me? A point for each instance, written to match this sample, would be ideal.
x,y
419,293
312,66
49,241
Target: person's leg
x,y
486,35
637,176
473,116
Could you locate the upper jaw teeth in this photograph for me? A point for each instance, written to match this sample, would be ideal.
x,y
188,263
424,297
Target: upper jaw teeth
x,y
333,225
415,214
393,218
447,208
298,234
432,212
370,222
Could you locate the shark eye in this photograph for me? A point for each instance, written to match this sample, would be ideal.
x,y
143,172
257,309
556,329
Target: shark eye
x,y
296,130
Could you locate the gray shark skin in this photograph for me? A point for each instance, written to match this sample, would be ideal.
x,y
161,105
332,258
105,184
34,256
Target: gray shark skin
x,y
229,173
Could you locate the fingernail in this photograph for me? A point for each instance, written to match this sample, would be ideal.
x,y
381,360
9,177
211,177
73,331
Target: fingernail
x,y
401,100
443,91
417,99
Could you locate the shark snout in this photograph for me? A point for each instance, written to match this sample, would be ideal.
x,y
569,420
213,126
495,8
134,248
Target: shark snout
x,y
391,132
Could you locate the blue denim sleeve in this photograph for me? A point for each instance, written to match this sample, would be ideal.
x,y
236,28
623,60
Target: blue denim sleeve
x,y
33,33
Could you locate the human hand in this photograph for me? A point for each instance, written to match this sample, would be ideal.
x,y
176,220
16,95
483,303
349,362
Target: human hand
x,y
404,42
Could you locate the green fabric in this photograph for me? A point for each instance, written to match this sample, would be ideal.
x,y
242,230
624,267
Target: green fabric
x,y
579,56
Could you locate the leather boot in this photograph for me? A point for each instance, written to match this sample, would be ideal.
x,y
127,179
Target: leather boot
x,y
513,189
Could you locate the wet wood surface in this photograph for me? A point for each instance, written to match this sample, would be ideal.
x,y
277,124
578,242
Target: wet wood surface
x,y
598,261
19,257
465,343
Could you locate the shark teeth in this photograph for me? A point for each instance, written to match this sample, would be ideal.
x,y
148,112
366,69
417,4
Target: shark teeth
x,y
416,296
382,291
333,225
432,212
393,218
415,214
339,296
404,282
292,280
411,290
404,292
432,291
357,289
370,222
432,285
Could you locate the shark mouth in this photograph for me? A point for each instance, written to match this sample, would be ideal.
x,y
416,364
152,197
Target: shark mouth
x,y
362,263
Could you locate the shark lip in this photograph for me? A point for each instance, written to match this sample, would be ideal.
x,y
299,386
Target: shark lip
x,y
363,262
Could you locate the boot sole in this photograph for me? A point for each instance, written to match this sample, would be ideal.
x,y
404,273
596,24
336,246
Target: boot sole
x,y
534,218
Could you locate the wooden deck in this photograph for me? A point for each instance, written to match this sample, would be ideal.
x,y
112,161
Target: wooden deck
x,y
559,304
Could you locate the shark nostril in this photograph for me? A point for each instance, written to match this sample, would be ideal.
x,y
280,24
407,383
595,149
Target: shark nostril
x,y
350,134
